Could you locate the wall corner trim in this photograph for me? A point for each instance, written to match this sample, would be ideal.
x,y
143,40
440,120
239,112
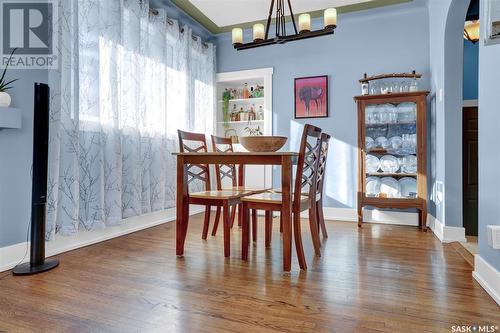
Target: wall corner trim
x,y
15,254
446,234
488,277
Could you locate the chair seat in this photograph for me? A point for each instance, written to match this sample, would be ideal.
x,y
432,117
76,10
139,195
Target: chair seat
x,y
278,190
269,197
225,194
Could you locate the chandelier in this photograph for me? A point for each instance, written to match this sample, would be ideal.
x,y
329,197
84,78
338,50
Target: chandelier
x,y
471,31
261,33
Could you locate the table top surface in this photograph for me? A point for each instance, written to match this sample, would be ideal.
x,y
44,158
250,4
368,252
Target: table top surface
x,y
280,153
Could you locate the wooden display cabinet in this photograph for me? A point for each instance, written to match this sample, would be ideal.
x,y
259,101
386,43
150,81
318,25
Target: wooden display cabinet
x,y
376,118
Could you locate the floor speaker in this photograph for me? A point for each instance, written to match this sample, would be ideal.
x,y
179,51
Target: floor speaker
x,y
38,263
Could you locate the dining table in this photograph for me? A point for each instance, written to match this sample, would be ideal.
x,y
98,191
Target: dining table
x,y
284,159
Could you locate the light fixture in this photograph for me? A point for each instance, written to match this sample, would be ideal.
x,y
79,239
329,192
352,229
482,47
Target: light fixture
x,y
471,31
237,34
261,35
258,32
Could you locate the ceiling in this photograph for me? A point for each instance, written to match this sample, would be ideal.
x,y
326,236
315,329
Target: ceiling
x,y
222,15
243,11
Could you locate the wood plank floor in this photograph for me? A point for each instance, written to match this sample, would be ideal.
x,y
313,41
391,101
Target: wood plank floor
x,y
378,279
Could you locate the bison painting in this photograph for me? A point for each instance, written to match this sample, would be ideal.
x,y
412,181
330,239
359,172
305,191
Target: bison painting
x,y
311,97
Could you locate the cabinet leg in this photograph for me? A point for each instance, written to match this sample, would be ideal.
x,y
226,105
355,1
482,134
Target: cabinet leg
x,y
422,218
360,216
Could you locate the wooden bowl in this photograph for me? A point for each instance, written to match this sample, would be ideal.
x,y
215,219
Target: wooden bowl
x,y
262,144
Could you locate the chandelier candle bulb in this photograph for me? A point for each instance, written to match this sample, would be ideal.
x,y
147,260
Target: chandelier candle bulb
x,y
237,34
304,23
330,18
258,32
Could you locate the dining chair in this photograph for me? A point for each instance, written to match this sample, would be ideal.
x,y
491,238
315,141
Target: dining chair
x,y
196,143
222,171
303,196
325,140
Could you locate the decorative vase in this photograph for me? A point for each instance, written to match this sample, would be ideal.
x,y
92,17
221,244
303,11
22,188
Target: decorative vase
x,y
4,99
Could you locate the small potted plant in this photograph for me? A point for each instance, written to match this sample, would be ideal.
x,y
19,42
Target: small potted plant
x,y
5,85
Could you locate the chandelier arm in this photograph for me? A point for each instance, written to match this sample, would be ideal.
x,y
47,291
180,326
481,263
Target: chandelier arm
x,y
269,19
293,18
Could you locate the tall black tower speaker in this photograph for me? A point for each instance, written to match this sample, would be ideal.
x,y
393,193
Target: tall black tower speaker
x,y
38,263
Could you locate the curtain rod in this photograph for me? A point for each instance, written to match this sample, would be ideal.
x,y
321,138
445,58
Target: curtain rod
x,y
170,22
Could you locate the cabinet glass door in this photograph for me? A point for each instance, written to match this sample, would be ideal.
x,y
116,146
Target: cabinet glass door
x,y
391,150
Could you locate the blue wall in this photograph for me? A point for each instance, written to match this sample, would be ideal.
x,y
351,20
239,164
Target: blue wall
x,y
391,39
471,70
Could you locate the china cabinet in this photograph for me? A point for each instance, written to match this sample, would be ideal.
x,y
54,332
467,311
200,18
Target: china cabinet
x,y
392,151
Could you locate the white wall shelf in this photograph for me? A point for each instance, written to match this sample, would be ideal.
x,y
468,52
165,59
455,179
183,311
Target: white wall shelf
x,y
246,100
10,117
257,176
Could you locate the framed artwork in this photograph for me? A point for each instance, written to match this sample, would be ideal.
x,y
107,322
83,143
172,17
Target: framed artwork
x,y
311,97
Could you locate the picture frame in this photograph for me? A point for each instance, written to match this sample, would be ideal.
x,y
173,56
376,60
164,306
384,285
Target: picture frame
x,y
311,97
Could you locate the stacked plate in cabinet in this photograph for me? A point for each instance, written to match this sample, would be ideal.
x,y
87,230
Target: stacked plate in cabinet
x,y
381,174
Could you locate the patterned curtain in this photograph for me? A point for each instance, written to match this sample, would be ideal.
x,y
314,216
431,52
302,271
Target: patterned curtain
x,y
127,81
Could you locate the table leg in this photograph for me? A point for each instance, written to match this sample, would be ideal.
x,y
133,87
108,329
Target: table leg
x,y
286,211
182,208
241,182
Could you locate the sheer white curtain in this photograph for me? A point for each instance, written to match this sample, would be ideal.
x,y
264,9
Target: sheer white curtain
x,y
127,81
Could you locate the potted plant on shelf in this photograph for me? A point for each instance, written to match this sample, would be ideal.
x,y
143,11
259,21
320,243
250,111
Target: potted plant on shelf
x,y
5,85
226,96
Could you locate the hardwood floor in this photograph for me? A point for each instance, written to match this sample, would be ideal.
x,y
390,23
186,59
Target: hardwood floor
x,y
381,278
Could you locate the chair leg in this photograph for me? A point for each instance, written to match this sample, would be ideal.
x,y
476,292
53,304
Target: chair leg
x,y
227,228
216,221
240,215
313,225
269,227
254,225
298,241
321,218
206,223
233,215
245,230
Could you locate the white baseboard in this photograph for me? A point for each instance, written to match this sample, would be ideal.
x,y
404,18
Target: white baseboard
x,y
488,277
12,255
446,234
370,216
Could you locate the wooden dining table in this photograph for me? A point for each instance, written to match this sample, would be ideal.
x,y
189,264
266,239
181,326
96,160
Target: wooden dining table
x,y
284,159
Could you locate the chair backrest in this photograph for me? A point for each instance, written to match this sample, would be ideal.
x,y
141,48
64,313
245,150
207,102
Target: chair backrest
x,y
308,161
325,140
195,143
224,145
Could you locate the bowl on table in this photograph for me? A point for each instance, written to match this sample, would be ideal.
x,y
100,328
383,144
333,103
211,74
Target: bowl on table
x,y
262,144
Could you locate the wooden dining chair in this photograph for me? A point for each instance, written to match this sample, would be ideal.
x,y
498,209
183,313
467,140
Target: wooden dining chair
x,y
196,143
325,140
222,171
303,196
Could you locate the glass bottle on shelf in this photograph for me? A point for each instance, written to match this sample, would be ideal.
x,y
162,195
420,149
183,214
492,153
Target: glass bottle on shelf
x,y
414,85
365,86
241,115
251,114
260,113
246,92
